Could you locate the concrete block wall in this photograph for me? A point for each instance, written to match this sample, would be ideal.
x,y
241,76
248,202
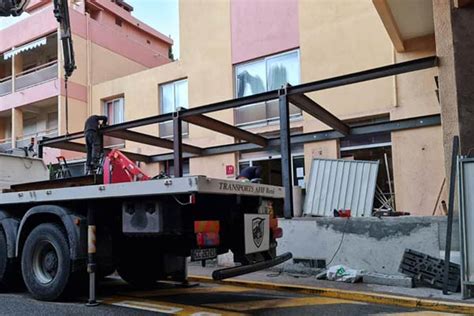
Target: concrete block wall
x,y
371,244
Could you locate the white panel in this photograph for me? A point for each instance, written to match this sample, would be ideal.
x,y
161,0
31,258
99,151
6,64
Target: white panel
x,y
257,232
341,184
467,213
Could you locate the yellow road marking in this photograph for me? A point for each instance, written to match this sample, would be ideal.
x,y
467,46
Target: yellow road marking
x,y
164,307
152,307
421,313
368,297
194,290
279,303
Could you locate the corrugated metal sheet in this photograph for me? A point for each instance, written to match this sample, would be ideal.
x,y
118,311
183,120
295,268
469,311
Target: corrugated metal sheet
x,y
341,184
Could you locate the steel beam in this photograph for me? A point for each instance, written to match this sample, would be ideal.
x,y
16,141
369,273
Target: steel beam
x,y
227,129
139,123
178,145
371,74
151,140
77,147
285,151
232,103
46,141
366,75
391,126
314,109
390,70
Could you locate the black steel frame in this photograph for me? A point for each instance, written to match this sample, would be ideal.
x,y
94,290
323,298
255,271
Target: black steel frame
x,y
247,141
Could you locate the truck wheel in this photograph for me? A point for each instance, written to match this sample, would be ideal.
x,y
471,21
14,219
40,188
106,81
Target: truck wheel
x,y
10,276
45,262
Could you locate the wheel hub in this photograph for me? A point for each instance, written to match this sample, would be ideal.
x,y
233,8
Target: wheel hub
x,y
50,261
45,262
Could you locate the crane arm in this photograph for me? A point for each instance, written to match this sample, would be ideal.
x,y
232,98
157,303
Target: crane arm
x,y
61,13
12,7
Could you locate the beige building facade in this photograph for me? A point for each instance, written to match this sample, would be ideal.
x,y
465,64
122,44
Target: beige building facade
x,y
233,48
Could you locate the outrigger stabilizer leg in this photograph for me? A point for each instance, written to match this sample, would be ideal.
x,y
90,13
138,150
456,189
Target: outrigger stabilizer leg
x,y
91,250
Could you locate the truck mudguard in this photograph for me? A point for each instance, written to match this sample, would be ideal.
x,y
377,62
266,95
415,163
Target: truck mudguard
x,y
10,227
67,218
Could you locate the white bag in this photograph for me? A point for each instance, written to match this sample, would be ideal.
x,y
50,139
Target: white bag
x,y
343,274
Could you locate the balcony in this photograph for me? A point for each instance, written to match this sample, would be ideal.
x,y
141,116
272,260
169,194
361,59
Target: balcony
x,y
24,142
29,65
5,86
36,75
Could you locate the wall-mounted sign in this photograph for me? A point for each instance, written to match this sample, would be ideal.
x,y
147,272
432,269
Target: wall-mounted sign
x,y
229,170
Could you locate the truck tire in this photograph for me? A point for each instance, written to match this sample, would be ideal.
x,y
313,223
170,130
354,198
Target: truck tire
x,y
10,277
45,262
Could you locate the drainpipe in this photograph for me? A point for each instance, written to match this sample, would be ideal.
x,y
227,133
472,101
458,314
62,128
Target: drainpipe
x,y
394,80
89,66
13,72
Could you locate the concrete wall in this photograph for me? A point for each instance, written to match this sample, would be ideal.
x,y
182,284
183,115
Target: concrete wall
x,y
20,169
371,244
418,169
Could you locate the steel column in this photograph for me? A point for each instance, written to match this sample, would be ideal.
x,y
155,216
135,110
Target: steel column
x,y
178,145
285,149
40,151
449,228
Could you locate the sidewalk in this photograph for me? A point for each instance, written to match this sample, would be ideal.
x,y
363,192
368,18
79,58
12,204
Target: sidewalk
x,y
410,297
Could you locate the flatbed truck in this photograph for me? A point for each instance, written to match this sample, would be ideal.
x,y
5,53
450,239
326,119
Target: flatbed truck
x,y
53,232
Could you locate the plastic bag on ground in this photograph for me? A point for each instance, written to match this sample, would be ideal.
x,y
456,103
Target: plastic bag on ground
x,y
343,274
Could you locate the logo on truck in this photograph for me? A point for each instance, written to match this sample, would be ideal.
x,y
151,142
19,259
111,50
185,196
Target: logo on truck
x,y
258,230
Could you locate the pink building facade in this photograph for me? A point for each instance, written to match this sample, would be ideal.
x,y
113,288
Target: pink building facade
x,y
109,43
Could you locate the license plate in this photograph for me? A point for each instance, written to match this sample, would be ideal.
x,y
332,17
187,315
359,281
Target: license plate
x,y
203,254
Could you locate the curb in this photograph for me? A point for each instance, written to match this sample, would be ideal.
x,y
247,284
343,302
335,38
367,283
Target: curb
x,y
368,297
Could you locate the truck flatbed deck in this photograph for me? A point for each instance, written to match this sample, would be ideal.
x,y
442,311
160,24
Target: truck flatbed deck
x,y
184,185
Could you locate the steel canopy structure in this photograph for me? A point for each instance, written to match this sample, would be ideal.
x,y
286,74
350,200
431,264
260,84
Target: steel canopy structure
x,y
246,141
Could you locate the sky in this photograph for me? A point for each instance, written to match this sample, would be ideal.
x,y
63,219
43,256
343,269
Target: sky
x,y
162,15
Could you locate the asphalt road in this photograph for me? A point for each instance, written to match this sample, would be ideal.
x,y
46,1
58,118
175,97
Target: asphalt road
x,y
204,300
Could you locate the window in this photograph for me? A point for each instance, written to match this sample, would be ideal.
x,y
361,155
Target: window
x,y
169,167
114,110
52,122
173,96
264,75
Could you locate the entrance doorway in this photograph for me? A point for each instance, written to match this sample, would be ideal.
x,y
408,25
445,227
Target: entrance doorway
x,y
271,169
381,152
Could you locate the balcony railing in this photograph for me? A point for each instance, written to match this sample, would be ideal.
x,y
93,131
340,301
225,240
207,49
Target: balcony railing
x,y
6,85
25,140
5,145
37,75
